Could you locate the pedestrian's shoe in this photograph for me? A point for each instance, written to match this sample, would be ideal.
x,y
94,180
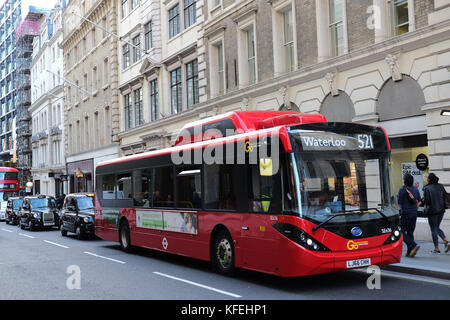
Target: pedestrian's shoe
x,y
414,251
447,247
436,251
407,254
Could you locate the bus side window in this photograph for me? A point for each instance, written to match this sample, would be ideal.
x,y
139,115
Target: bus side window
x,y
142,180
108,189
189,187
219,187
163,195
124,186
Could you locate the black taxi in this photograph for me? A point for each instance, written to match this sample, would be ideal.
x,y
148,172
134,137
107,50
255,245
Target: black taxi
x,y
12,210
77,215
38,212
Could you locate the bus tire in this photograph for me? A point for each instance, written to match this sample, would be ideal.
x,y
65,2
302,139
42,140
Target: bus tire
x,y
223,253
124,236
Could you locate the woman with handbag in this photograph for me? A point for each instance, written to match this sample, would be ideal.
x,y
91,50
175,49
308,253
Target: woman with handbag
x,y
435,205
409,201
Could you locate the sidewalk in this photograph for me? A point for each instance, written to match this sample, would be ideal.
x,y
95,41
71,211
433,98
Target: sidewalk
x,y
425,262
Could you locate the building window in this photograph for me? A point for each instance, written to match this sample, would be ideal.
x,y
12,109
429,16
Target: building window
x,y
190,13
105,72
288,40
148,36
400,16
94,79
217,70
336,25
138,112
127,110
124,8
251,56
174,21
136,49
192,83
154,99
176,90
126,55
220,68
134,4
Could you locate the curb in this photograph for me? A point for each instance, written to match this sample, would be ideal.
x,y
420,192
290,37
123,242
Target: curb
x,y
417,271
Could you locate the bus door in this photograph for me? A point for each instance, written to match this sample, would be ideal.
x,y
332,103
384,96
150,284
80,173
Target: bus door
x,y
259,240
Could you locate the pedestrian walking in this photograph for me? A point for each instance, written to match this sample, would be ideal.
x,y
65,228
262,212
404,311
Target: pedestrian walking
x,y
434,201
409,200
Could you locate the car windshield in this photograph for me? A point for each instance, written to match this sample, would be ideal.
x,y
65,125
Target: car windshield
x,y
17,203
42,203
85,203
335,179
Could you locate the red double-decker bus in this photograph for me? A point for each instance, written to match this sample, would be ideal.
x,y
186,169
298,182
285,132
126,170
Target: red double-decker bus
x,y
9,187
277,192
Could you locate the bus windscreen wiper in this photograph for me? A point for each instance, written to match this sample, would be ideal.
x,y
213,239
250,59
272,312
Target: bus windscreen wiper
x,y
326,221
346,212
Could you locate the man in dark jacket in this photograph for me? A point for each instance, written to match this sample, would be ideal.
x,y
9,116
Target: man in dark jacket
x,y
434,201
408,199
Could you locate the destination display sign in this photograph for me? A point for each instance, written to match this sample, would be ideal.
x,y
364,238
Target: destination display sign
x,y
329,141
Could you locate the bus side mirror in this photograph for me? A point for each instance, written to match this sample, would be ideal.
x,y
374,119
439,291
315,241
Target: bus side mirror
x,y
265,167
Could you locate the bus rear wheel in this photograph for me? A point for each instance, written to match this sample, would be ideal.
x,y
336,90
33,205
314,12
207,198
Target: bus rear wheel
x,y
223,253
124,237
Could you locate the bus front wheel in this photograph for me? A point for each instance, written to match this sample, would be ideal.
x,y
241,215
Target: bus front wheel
x,y
223,253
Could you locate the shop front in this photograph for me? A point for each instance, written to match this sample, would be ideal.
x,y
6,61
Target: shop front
x,y
80,175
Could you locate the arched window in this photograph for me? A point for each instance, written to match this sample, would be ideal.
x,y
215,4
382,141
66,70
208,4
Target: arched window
x,y
400,99
338,108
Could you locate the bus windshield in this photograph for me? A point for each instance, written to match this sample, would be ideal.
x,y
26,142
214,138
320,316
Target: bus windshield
x,y
348,183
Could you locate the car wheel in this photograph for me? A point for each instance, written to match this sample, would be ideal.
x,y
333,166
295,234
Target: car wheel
x,y
124,237
223,253
80,235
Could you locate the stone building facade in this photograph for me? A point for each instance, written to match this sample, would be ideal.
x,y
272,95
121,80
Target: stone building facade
x,y
91,88
47,107
371,61
161,84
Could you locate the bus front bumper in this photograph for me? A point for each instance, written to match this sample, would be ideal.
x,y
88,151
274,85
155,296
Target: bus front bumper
x,y
303,262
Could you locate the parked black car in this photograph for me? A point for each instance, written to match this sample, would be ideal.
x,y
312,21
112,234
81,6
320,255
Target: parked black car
x,y
12,210
39,212
77,215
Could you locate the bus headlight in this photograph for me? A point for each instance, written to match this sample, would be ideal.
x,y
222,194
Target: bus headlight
x,y
299,236
394,236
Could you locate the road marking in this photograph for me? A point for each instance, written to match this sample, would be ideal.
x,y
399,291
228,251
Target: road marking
x,y
25,235
198,285
413,277
6,230
98,256
393,274
56,244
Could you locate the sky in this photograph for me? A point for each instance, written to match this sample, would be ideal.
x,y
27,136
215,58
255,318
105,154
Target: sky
x,y
37,3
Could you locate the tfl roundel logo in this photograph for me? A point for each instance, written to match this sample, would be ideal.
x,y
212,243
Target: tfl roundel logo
x,y
356,231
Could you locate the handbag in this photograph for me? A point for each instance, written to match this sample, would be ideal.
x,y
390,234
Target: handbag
x,y
447,200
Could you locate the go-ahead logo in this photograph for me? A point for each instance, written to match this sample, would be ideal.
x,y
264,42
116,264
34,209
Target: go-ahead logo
x,y
354,245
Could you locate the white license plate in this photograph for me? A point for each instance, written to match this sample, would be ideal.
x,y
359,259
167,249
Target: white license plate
x,y
358,263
